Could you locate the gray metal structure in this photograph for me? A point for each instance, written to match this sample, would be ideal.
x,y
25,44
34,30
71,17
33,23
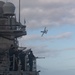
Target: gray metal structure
x,y
10,31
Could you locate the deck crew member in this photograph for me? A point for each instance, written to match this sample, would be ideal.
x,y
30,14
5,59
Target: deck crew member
x,y
31,58
11,53
22,55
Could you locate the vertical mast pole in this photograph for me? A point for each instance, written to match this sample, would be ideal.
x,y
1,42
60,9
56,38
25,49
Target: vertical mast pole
x,y
19,11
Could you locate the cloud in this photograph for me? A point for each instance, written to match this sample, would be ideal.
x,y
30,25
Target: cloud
x,y
64,35
43,49
72,48
37,37
51,13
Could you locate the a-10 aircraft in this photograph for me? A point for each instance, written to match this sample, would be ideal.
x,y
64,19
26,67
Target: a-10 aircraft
x,y
44,32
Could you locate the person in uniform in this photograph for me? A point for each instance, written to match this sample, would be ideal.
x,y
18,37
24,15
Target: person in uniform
x,y
22,55
31,57
11,52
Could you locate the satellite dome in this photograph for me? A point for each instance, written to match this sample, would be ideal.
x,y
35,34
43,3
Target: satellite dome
x,y
1,7
1,3
8,8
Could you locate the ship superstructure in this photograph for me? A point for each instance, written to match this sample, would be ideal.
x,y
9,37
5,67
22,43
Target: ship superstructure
x,y
10,52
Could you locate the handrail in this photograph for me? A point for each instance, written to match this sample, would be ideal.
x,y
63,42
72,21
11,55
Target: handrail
x,y
12,27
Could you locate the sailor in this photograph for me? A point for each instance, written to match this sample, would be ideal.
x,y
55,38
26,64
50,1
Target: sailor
x,y
31,57
11,52
22,55
16,60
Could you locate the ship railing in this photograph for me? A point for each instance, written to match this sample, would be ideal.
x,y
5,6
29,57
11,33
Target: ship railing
x,y
15,30
13,27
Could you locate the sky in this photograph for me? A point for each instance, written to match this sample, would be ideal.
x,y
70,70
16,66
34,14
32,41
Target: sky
x,y
58,45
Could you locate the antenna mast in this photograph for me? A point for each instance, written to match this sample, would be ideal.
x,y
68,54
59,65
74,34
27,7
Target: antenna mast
x,y
19,11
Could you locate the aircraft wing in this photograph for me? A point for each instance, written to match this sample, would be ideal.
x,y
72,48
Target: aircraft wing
x,y
41,31
42,34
